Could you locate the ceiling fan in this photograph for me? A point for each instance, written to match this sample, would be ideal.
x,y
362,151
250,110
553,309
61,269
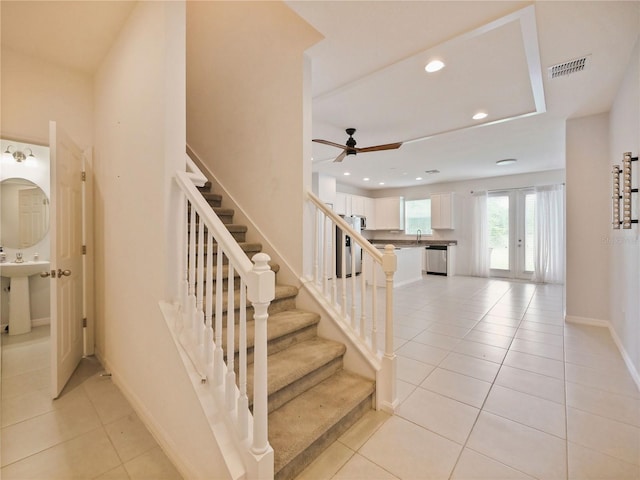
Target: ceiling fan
x,y
351,149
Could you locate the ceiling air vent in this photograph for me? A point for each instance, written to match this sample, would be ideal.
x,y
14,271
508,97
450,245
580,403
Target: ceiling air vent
x,y
567,68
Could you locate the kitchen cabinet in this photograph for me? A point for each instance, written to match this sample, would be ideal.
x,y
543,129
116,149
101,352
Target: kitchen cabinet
x,y
357,205
346,204
340,206
442,211
370,212
389,213
407,271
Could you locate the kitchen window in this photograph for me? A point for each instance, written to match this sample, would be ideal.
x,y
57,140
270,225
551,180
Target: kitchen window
x,y
417,216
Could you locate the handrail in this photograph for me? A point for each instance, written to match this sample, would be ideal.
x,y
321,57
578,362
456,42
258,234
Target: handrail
x,y
337,219
348,297
207,308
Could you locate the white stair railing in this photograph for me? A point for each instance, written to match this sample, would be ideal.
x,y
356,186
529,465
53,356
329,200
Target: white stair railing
x,y
209,257
364,303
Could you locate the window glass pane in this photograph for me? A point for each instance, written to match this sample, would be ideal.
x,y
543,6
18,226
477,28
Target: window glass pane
x,y
417,216
498,213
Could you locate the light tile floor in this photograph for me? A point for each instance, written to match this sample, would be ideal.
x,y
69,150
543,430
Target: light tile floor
x,y
494,385
89,432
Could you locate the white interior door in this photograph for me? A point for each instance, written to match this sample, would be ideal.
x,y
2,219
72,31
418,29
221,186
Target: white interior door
x,y
66,257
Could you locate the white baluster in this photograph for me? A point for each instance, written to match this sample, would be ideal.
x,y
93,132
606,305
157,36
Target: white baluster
x,y
198,326
316,250
243,400
184,264
343,266
353,283
374,310
326,254
192,272
218,358
208,337
231,374
363,299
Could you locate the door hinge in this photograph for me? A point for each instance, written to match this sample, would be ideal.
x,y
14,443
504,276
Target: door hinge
x,y
84,323
84,249
84,176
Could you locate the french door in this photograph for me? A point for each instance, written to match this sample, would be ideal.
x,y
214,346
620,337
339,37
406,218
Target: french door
x,y
511,216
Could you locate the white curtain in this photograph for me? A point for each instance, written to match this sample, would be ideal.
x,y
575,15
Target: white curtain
x,y
479,236
549,235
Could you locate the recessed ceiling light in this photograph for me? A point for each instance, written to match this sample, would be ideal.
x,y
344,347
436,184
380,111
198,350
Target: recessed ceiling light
x,y
366,179
506,161
381,183
480,115
418,178
434,66
346,174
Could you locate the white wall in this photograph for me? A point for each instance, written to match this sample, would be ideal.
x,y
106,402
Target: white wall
x,y
462,216
588,213
35,92
139,143
245,110
624,284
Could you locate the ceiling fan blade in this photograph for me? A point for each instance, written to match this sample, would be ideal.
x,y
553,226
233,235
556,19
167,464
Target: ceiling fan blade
x,y
388,146
340,157
327,142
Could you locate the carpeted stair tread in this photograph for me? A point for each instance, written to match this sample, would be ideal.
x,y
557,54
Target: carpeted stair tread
x,y
295,426
212,197
278,325
225,272
281,292
297,361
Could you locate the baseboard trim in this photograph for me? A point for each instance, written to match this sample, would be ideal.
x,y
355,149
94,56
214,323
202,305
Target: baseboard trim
x,y
596,322
38,322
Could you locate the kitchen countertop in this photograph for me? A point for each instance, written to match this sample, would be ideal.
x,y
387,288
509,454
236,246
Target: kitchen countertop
x,y
412,243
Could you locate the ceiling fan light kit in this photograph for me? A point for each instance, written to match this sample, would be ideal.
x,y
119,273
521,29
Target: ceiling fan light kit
x,y
351,149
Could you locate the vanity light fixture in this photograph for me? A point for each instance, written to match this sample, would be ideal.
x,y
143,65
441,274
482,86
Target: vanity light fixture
x,y
480,116
19,155
506,161
434,66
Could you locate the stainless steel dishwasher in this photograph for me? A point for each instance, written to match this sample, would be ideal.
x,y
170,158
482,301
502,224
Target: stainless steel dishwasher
x,y
436,259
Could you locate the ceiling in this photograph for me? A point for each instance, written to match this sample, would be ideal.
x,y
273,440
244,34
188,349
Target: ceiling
x,y
368,73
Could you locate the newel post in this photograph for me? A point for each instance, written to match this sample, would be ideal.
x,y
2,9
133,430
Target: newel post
x,y
260,292
386,381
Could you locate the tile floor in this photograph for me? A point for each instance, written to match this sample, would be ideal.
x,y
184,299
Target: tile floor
x,y
494,385
89,432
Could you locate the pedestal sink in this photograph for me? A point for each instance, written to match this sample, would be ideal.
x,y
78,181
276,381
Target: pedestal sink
x,y
19,310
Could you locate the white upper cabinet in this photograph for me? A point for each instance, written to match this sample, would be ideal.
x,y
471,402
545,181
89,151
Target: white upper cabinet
x,y
357,205
370,212
342,205
389,213
442,211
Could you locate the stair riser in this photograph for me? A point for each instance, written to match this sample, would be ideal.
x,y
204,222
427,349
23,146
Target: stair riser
x,y
276,306
281,343
298,464
279,398
239,236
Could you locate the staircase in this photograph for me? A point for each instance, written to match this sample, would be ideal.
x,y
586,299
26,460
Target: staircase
x,y
312,399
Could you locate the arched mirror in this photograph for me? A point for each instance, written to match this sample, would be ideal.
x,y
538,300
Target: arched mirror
x,y
24,213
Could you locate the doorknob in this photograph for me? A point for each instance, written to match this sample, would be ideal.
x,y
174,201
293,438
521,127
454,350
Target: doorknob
x,y
65,273
51,274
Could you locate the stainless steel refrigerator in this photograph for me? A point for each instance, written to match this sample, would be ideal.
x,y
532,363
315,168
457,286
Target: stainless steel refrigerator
x,y
351,248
